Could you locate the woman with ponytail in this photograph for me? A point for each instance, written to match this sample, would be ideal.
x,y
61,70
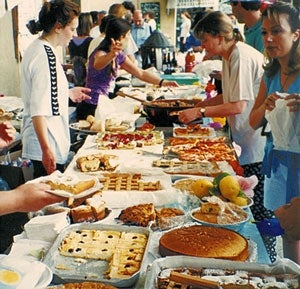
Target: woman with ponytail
x,y
45,92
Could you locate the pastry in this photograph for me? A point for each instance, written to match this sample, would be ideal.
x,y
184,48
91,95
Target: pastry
x,y
139,215
122,250
206,242
70,184
97,162
84,124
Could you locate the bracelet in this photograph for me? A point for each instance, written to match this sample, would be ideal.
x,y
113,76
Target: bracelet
x,y
161,82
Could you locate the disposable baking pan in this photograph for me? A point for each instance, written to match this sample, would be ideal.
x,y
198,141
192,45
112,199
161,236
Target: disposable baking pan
x,y
283,266
72,269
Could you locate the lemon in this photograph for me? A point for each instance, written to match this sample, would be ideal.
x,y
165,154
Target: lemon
x,y
229,187
219,177
240,201
201,187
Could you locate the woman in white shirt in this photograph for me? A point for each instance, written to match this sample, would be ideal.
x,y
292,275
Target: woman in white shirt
x,y
45,91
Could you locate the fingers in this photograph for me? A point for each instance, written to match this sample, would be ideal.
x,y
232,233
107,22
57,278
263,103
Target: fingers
x,y
293,102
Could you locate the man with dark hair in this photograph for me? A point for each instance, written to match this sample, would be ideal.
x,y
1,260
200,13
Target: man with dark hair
x,y
248,12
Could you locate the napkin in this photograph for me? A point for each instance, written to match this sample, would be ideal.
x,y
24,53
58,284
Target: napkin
x,y
285,126
46,228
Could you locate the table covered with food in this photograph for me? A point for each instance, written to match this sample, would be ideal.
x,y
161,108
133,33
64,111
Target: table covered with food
x,y
147,207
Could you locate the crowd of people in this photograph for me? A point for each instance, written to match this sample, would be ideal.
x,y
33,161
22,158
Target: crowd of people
x,y
260,94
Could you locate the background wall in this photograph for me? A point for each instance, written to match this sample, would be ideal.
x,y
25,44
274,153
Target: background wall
x,y
9,67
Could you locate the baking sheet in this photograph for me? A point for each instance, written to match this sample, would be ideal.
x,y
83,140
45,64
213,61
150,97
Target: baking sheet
x,y
281,267
92,270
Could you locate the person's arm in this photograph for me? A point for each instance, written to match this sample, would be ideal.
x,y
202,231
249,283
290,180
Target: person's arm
x,y
102,59
289,218
145,75
214,107
7,134
41,130
26,198
79,94
257,114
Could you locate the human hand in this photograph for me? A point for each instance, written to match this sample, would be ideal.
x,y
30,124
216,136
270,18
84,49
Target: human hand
x,y
49,161
288,216
293,101
188,115
33,197
269,102
116,46
170,83
79,93
7,134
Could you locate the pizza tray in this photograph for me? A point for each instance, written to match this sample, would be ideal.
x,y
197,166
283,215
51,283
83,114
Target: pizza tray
x,y
283,266
71,269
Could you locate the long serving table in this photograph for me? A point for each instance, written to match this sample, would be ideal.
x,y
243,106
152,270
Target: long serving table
x,y
249,231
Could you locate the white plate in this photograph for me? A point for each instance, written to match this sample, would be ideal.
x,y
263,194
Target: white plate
x,y
66,194
237,226
34,275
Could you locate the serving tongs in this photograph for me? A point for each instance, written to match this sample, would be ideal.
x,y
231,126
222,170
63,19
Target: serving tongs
x,y
143,102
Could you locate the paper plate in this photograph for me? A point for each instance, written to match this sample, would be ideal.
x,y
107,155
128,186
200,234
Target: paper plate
x,y
18,274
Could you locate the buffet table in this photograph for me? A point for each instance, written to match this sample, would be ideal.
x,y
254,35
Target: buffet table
x,y
138,160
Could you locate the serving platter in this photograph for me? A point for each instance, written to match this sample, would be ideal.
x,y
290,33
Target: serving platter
x,y
163,267
72,269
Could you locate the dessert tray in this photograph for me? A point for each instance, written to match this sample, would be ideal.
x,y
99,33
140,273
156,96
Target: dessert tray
x,y
283,274
73,260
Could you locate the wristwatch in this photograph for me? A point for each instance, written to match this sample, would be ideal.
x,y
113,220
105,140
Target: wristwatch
x,y
202,110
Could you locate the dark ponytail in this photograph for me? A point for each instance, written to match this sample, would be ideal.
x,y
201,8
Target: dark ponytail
x,y
53,12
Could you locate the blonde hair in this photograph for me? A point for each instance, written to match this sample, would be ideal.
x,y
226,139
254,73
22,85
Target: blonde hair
x,y
117,10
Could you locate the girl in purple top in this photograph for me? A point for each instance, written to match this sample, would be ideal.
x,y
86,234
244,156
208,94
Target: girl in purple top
x,y
104,64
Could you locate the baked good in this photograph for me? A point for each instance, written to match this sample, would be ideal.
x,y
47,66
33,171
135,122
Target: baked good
x,y
206,277
84,124
87,285
98,126
70,184
139,215
128,182
98,207
96,162
123,250
82,213
90,118
167,218
206,242
4,115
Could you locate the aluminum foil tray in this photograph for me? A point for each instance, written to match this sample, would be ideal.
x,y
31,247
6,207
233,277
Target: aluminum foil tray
x,y
283,266
72,269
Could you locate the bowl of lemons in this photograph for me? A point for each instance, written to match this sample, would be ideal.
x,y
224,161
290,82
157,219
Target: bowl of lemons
x,y
224,186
